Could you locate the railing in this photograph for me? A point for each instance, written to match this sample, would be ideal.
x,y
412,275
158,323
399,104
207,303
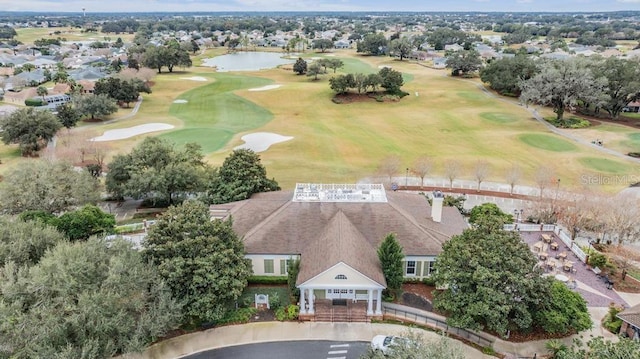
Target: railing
x,y
529,227
428,319
566,239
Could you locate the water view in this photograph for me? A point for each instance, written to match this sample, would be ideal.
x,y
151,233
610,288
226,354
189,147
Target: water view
x,y
247,61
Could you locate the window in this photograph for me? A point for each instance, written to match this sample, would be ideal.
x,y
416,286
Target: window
x,y
429,268
341,276
268,266
411,267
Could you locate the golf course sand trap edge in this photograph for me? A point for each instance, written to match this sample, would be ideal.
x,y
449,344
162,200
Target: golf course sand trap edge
x,y
194,78
261,141
265,88
122,133
180,101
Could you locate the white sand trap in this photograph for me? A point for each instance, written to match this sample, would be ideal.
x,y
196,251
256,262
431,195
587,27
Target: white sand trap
x,y
261,141
265,88
123,133
194,78
383,66
330,55
180,101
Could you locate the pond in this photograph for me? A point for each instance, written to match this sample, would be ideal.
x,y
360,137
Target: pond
x,y
247,61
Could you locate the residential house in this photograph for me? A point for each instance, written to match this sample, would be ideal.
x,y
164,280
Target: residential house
x,y
453,47
630,322
335,231
342,44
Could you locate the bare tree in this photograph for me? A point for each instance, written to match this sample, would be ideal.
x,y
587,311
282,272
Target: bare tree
x,y
623,258
390,166
145,74
543,178
574,212
422,167
513,176
482,171
452,170
623,219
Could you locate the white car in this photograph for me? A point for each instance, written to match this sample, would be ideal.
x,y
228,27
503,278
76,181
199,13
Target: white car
x,y
385,343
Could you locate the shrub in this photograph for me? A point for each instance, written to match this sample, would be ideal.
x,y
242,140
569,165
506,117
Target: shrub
x,y
570,122
274,301
610,321
34,102
265,279
634,154
597,259
430,281
240,315
287,313
337,100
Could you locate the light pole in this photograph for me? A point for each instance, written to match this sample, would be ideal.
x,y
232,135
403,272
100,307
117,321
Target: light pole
x,y
518,214
589,255
406,179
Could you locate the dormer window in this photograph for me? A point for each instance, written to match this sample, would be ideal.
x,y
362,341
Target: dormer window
x,y
341,276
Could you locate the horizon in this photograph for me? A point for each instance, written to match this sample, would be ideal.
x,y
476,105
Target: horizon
x,y
316,6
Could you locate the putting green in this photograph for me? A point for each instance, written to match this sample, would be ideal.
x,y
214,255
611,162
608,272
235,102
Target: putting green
x,y
213,113
499,117
604,165
472,95
546,142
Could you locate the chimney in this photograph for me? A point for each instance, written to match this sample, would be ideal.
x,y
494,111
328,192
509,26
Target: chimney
x,y
436,206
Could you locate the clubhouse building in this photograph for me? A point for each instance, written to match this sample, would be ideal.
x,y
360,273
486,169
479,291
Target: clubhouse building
x,y
335,231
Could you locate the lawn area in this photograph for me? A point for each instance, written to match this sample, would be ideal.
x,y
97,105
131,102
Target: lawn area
x,y
443,118
29,35
618,137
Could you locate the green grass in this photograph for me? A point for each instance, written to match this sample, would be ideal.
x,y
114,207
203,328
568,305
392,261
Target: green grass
x,y
214,114
568,122
604,165
547,142
354,66
472,95
499,117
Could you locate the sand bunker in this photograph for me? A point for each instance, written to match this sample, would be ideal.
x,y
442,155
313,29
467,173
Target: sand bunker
x,y
265,88
180,101
261,141
123,133
383,66
194,78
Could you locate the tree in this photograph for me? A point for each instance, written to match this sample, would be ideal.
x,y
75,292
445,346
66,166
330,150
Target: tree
x,y
622,83
95,299
52,187
95,105
561,84
314,70
335,64
240,176
42,91
506,75
543,177
566,312
485,291
341,83
512,176
463,62
391,80
300,67
85,222
600,348
482,171
61,76
169,56
67,115
401,47
322,44
373,44
25,242
202,260
422,167
452,170
622,219
390,166
488,211
123,91
155,168
391,255
30,128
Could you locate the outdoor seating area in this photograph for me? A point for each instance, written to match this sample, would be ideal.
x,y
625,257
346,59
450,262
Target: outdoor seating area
x,y
557,260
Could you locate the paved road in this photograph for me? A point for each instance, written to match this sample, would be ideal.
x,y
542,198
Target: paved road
x,y
317,349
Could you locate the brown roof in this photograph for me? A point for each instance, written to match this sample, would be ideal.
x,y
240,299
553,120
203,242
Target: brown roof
x,y
342,242
631,315
271,223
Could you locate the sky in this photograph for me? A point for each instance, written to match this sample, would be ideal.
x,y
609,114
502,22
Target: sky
x,y
318,5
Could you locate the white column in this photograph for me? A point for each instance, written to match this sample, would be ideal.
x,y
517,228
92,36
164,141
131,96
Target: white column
x,y
370,302
310,300
303,310
379,302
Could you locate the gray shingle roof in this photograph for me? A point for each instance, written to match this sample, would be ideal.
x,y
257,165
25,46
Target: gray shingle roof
x,y
631,315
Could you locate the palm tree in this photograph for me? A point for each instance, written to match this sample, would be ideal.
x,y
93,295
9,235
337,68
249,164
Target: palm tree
x,y
42,91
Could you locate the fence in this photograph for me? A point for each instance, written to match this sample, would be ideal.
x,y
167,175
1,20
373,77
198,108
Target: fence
x,y
564,237
431,320
134,227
